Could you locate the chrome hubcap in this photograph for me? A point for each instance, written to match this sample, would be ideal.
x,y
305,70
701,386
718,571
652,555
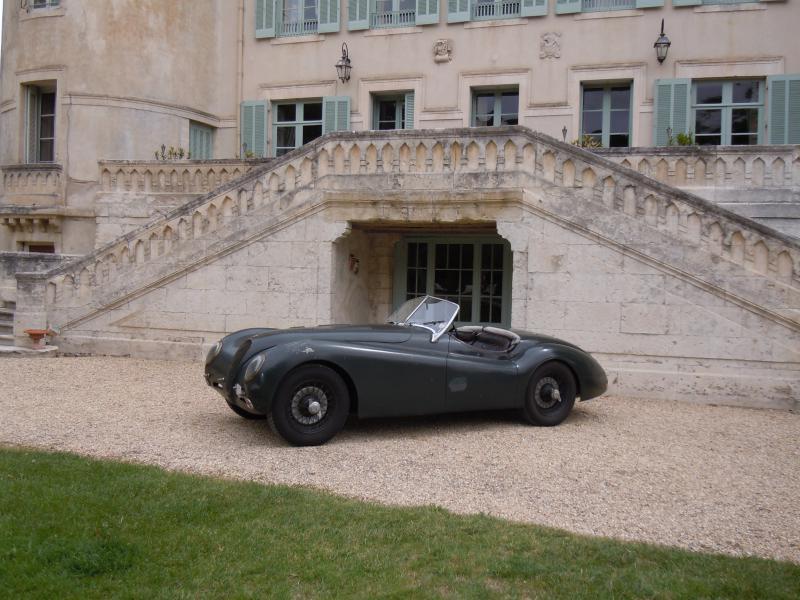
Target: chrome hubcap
x,y
309,405
547,394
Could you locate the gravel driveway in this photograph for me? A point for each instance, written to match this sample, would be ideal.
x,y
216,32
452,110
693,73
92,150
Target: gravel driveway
x,y
701,477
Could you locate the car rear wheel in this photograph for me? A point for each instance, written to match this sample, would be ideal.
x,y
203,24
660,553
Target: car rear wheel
x,y
244,413
550,396
311,406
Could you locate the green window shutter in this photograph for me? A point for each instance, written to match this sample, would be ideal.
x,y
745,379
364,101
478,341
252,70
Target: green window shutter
x,y
686,2
427,12
649,3
672,109
458,11
32,124
335,113
784,109
254,129
328,16
265,18
565,7
357,14
200,141
533,8
409,106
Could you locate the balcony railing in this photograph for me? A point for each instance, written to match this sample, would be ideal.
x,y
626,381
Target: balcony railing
x,y
505,9
607,5
393,18
728,1
304,27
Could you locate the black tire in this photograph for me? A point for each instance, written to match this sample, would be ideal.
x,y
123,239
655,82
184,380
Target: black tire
x,y
293,414
244,413
550,395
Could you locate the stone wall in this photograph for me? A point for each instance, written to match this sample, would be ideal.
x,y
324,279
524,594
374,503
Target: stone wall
x,y
12,263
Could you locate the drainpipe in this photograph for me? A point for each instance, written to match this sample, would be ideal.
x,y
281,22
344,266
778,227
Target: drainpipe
x,y
240,75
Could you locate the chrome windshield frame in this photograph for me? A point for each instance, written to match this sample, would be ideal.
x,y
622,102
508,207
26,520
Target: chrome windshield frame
x,y
435,333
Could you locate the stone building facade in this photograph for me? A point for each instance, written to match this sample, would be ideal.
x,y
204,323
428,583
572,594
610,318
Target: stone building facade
x,y
310,198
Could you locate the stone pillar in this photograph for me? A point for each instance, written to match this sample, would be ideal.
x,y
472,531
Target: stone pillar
x,y
31,310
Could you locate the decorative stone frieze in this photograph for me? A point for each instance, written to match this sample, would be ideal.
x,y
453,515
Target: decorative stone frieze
x,y
443,51
550,45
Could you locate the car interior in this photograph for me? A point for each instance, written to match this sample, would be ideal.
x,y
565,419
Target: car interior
x,y
492,339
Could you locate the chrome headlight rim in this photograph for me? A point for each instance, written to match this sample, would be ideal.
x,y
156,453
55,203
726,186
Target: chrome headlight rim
x,y
254,366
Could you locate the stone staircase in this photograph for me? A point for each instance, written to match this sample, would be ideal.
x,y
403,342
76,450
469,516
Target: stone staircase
x,y
7,323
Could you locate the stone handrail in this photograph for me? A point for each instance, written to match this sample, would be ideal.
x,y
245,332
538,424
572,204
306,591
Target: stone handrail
x,y
25,184
170,177
713,166
450,153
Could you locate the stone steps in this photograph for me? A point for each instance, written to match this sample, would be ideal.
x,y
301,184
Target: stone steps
x,y
7,323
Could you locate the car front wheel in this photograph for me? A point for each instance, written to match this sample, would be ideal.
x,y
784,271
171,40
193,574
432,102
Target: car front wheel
x,y
311,406
550,396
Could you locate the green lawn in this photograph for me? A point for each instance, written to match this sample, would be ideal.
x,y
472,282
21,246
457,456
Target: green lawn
x,y
77,528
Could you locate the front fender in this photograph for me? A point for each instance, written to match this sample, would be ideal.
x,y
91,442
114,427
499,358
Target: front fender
x,y
591,378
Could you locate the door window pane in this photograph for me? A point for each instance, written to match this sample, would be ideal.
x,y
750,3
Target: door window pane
x,y
490,109
295,124
593,99
709,93
286,112
605,114
312,111
311,132
745,92
737,118
593,122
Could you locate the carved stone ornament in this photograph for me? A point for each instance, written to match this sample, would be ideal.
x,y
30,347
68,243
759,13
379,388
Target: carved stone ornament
x,y
443,51
550,45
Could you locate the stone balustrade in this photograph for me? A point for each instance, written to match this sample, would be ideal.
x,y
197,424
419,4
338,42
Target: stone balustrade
x,y
506,158
170,177
713,166
40,184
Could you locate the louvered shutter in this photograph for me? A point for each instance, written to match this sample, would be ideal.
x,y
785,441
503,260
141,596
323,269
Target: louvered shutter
x,y
533,8
649,3
265,18
784,109
686,2
32,113
564,7
335,113
357,14
427,12
328,16
409,109
254,129
672,109
458,11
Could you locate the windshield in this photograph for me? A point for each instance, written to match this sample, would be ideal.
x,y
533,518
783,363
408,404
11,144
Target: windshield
x,y
434,314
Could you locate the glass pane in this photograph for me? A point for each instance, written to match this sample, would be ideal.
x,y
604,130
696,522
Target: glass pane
x,y
497,259
484,104
744,140
408,4
708,121
411,281
48,104
465,312
592,99
446,282
466,256
285,137
311,132
441,256
745,91
708,140
508,120
485,310
312,111
619,121
509,103
46,151
484,121
618,140
387,110
592,122
413,252
382,6
310,9
453,252
744,120
709,93
286,112
422,255
47,127
621,97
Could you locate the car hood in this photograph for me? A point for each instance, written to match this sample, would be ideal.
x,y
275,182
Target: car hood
x,y
385,334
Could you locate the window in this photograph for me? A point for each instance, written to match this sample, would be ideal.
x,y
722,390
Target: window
x,y
606,114
299,17
494,108
473,272
41,3
728,112
393,111
40,123
394,13
201,141
295,124
495,9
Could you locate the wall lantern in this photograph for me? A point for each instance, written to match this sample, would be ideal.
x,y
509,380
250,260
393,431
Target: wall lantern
x,y
343,66
662,45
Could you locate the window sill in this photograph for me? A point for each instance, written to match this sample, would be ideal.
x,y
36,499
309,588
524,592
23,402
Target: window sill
x,y
610,14
380,32
39,13
495,23
297,39
711,8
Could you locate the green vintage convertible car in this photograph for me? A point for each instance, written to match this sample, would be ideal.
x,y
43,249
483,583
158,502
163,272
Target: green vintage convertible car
x,y
306,381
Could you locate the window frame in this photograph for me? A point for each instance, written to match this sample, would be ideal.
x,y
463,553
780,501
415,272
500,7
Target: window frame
x,y
401,271
497,116
281,31
726,106
399,100
32,125
297,123
606,110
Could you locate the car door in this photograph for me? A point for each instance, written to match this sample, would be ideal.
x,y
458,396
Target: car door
x,y
479,379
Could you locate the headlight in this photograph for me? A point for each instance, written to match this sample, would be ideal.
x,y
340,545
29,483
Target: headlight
x,y
214,352
253,367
